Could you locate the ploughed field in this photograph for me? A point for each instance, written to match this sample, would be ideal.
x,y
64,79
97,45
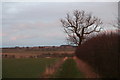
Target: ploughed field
x,y
36,52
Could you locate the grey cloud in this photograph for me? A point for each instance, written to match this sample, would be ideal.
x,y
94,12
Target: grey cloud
x,y
39,22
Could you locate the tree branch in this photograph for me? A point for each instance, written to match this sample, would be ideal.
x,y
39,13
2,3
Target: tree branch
x,y
79,25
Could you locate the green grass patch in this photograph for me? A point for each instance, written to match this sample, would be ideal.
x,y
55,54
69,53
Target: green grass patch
x,y
69,70
25,68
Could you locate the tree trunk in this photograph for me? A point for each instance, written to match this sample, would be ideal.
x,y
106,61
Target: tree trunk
x,y
80,42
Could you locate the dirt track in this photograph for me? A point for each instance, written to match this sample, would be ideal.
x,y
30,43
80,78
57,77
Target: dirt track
x,y
82,66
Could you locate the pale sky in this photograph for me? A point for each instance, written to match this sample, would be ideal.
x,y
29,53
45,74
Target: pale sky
x,y
38,23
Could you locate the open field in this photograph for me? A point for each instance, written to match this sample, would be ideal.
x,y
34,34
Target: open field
x,y
34,68
37,50
25,68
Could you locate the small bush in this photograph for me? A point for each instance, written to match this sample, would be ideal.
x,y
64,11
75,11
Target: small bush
x,y
102,54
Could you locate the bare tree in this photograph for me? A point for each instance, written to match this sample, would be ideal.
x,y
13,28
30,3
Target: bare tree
x,y
79,26
118,24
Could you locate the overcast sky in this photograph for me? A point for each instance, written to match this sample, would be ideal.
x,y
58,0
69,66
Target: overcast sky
x,y
37,24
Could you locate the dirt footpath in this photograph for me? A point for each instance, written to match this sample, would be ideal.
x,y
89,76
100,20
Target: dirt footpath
x,y
85,68
52,69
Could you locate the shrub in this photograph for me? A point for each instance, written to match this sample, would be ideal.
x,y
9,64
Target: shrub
x,y
102,54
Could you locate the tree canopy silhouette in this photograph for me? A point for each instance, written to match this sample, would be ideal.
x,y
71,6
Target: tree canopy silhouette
x,y
80,25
